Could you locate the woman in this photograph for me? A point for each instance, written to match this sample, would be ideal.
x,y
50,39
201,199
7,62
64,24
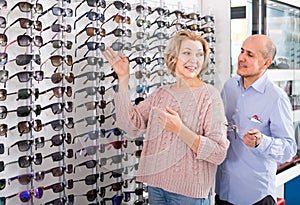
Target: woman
x,y
184,125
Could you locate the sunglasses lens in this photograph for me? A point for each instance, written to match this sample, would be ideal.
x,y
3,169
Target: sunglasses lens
x,y
23,111
3,76
91,179
58,171
91,195
3,58
39,176
38,159
57,140
25,196
2,184
3,112
25,179
38,192
3,129
90,164
24,145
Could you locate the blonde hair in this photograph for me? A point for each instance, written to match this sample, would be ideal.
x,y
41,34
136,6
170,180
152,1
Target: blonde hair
x,y
172,50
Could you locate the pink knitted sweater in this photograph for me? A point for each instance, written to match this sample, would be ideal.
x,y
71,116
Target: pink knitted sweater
x,y
166,161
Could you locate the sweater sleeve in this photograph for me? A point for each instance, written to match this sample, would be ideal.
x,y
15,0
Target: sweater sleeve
x,y
214,143
132,119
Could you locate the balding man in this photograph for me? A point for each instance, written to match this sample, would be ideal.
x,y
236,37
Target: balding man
x,y
260,129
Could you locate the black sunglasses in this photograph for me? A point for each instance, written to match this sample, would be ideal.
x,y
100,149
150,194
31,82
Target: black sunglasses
x,y
25,145
22,111
91,31
59,139
92,16
92,46
3,40
92,105
92,120
57,108
58,124
88,164
27,7
92,90
25,59
91,60
90,150
23,94
26,40
119,5
57,60
92,3
25,161
57,156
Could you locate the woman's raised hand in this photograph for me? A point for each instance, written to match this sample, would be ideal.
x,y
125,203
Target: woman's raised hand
x,y
120,64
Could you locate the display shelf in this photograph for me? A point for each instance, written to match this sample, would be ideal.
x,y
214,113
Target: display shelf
x,y
287,175
284,74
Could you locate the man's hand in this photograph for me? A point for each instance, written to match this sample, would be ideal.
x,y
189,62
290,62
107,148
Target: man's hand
x,y
252,138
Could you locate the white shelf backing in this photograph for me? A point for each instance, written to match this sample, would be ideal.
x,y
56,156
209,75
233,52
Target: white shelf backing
x,y
296,115
287,175
283,74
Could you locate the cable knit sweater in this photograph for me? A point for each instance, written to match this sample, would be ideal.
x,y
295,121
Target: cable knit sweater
x,y
166,161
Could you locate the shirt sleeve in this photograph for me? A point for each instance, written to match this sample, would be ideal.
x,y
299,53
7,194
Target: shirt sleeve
x,y
132,119
281,145
214,143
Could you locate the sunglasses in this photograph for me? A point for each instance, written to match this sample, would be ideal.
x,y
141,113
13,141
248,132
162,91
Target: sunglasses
x,y
58,77
118,46
193,16
90,76
91,90
116,159
59,28
22,111
177,13
25,76
91,31
27,7
119,5
146,88
92,46
3,130
160,11
58,156
2,184
3,4
25,127
140,9
117,186
26,40
25,145
59,171
58,11
62,200
137,192
1,148
58,124
114,173
143,22
59,44
25,196
26,23
59,139
91,195
90,150
92,120
25,161
56,187
58,91
92,105
3,40
25,59
25,179
91,60
115,200
57,60
88,164
119,32
92,135
56,108
117,144
92,16
89,179
92,3
3,76
23,94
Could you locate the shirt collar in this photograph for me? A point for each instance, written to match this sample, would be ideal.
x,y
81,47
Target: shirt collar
x,y
259,85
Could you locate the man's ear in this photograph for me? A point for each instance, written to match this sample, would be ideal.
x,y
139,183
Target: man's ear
x,y
268,62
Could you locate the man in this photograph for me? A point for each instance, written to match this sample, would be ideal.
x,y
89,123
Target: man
x,y
260,129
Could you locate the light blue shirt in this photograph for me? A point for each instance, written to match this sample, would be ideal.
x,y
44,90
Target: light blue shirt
x,y
248,174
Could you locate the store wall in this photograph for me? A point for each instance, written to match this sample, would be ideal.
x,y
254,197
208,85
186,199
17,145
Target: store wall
x,y
84,123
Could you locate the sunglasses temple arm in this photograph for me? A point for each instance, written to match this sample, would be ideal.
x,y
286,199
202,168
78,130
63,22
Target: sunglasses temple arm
x,y
75,11
80,17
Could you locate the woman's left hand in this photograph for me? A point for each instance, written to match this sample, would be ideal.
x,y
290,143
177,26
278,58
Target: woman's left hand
x,y
169,120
